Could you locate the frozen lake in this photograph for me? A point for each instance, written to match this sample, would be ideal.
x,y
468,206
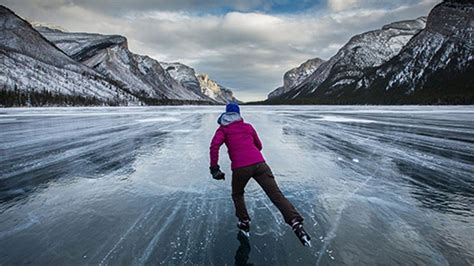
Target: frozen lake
x,y
376,185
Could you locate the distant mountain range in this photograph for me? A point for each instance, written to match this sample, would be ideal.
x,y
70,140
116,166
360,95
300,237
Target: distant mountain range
x,y
44,66
421,61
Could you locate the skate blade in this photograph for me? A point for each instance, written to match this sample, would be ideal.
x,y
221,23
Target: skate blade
x,y
247,234
306,242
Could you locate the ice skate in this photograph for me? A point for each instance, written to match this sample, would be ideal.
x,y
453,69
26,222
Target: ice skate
x,y
244,227
301,234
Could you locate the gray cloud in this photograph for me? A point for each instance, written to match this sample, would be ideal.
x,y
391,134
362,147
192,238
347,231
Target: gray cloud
x,y
243,50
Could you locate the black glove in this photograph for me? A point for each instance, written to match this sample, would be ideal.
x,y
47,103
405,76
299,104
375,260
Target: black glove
x,y
217,173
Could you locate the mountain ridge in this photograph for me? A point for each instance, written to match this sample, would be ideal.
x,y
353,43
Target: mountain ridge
x,y
110,56
49,66
362,51
33,71
435,66
296,75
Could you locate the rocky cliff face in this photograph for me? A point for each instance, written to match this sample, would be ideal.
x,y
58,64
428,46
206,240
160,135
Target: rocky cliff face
x,y
363,51
141,75
215,91
296,75
200,84
79,46
33,71
184,75
436,66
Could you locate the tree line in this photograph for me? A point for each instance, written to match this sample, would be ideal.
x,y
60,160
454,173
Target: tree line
x,y
44,97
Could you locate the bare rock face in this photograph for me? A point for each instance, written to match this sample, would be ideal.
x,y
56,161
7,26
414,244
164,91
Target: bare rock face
x,y
363,51
33,71
183,74
215,91
141,75
80,46
296,75
276,92
200,84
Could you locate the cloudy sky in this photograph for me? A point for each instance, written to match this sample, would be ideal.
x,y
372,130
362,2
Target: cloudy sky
x,y
245,45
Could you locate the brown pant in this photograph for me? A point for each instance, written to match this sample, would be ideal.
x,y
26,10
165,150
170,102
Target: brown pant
x,y
264,177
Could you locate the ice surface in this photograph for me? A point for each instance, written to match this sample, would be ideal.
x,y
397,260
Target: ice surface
x,y
131,186
158,119
342,119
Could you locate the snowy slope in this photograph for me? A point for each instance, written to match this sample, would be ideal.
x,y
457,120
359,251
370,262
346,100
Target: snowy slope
x,y
141,75
215,91
363,51
295,76
436,66
30,64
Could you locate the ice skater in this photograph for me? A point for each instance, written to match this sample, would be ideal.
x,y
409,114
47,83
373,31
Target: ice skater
x,y
247,162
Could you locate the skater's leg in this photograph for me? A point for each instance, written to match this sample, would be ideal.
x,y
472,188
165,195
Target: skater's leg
x,y
266,180
240,178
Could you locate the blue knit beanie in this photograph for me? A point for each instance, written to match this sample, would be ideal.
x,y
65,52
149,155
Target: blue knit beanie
x,y
232,107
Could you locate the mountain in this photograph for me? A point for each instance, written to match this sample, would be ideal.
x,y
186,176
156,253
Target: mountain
x,y
363,51
215,91
33,71
296,75
79,46
44,65
141,75
400,64
436,66
201,84
184,75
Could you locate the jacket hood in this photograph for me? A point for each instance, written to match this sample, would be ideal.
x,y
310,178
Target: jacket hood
x,y
228,118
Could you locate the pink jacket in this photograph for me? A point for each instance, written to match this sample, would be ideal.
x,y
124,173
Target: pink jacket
x,y
243,144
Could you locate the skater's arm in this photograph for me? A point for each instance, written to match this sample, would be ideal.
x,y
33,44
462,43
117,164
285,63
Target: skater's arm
x,y
216,143
256,140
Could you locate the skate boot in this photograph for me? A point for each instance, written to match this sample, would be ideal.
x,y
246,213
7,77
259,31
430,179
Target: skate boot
x,y
244,227
301,233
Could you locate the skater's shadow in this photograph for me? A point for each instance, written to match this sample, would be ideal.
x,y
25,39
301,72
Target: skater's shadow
x,y
242,253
